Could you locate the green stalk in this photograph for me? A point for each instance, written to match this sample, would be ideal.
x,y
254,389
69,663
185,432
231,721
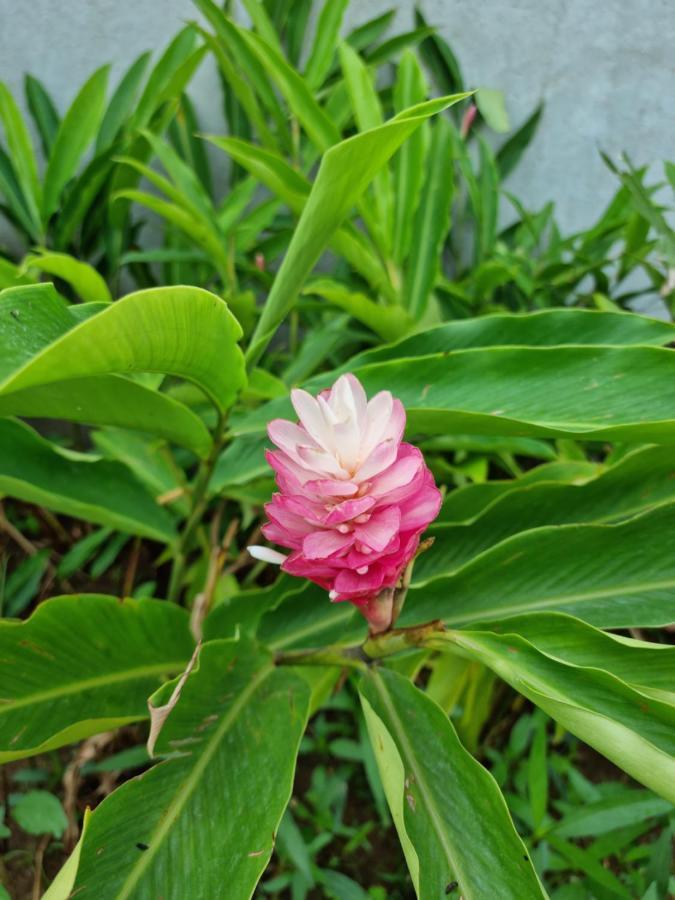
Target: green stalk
x,y
198,506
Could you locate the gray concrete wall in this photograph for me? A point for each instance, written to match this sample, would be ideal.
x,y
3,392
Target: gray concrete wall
x,y
605,70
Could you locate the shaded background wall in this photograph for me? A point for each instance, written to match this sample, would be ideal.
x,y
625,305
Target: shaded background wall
x,y
605,70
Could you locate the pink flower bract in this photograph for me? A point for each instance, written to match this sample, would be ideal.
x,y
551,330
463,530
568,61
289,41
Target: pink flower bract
x,y
353,498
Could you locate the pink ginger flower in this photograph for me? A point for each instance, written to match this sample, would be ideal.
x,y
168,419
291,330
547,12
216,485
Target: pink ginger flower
x,y
353,498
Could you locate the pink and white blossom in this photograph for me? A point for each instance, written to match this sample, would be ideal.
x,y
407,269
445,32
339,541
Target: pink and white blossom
x,y
353,497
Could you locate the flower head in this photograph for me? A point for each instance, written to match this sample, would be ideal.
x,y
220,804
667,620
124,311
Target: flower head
x,y
353,498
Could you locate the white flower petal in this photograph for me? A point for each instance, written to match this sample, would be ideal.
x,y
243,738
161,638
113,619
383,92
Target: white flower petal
x,y
267,554
312,417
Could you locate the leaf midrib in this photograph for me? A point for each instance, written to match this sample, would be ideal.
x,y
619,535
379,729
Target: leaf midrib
x,y
85,684
188,786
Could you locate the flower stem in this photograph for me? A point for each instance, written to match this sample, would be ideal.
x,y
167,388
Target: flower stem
x,y
350,657
199,500
375,648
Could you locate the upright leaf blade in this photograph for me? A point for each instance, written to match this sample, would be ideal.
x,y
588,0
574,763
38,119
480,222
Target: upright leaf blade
x,y
409,162
76,131
344,173
431,221
448,811
321,56
43,111
21,151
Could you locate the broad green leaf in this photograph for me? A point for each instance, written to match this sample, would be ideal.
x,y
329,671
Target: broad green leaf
x,y
83,278
451,818
409,162
32,319
21,151
613,576
624,394
37,471
549,328
649,667
181,331
111,400
307,618
468,502
345,171
76,131
641,480
431,221
229,706
84,664
322,54
635,731
595,393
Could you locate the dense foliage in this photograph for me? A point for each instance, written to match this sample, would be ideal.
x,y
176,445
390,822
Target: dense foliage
x,y
514,726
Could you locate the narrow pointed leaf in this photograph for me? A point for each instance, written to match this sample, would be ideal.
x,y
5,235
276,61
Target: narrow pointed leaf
x,y
21,151
43,111
76,131
344,174
322,54
409,162
431,221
